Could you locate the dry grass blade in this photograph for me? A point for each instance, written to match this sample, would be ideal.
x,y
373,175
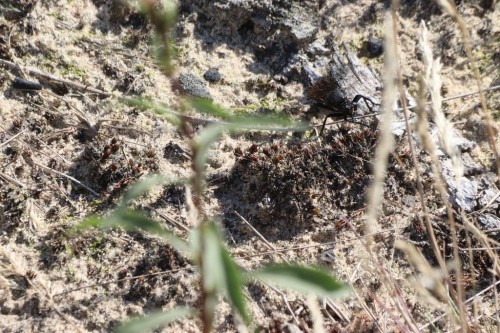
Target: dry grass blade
x,y
316,316
73,179
262,238
451,8
428,279
482,292
12,180
385,145
384,148
131,278
433,83
486,241
10,267
12,138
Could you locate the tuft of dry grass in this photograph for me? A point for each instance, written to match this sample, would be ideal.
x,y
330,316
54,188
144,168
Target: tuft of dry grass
x,y
446,284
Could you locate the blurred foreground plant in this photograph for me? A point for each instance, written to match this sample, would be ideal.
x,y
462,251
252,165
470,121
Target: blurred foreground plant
x,y
219,273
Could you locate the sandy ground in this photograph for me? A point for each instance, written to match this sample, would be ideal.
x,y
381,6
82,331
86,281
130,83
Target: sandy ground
x,y
55,281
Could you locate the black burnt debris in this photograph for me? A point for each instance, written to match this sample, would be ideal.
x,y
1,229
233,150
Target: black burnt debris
x,y
110,166
292,184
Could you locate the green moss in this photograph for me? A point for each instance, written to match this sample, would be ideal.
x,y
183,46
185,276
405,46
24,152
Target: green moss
x,y
140,68
75,71
96,203
57,15
68,250
98,247
71,275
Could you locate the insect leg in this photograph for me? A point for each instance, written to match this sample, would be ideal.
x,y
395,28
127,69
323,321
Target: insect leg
x,y
366,99
331,115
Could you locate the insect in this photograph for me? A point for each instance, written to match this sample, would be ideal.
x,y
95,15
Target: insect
x,y
332,99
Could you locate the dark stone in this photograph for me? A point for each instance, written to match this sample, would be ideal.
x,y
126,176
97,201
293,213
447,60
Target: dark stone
x,y
374,48
212,75
23,84
193,85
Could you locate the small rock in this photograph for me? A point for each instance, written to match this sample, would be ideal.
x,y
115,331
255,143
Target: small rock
x,y
193,85
464,196
489,223
374,48
174,153
470,166
318,48
294,64
312,74
212,75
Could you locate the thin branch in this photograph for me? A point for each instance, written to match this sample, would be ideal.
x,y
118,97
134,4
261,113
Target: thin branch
x,y
73,179
38,73
12,138
12,180
262,238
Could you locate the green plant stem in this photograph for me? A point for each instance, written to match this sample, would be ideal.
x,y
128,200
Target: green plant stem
x,y
197,184
204,312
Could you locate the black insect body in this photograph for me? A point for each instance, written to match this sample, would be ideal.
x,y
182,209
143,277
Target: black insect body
x,y
334,102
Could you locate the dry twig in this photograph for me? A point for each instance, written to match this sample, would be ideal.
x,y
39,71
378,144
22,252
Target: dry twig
x,y
38,73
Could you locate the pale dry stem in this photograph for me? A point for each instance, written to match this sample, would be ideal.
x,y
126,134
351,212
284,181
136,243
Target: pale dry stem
x,y
384,148
432,82
451,9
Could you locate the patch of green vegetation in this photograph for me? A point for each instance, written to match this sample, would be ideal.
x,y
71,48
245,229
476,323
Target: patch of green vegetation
x,y
73,70
57,15
96,203
71,275
140,68
266,104
131,41
98,247
68,250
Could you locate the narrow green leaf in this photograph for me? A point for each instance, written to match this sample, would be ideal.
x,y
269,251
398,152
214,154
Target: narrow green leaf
x,y
213,265
234,285
203,142
145,104
145,185
153,321
302,279
131,221
88,223
220,273
206,106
